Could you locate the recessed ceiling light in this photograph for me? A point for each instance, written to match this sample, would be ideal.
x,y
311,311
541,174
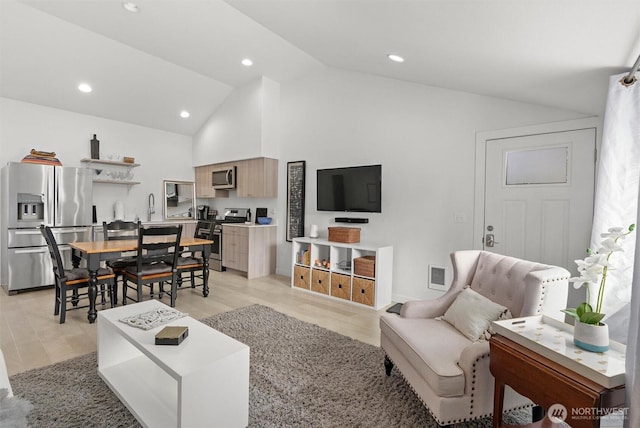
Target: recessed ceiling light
x,y
131,7
84,87
247,62
184,114
395,58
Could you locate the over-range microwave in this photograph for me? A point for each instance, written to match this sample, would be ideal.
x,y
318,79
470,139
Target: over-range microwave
x,y
224,178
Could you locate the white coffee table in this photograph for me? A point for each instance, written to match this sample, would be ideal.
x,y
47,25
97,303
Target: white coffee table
x,y
204,381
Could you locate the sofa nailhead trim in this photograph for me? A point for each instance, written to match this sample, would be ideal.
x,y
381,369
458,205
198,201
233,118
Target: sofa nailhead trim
x,y
455,421
470,418
473,383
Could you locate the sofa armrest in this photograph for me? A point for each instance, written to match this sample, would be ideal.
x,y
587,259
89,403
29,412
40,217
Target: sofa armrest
x,y
424,308
551,297
479,382
473,352
473,361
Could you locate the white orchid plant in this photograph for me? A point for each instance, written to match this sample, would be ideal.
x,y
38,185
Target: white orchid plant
x,y
594,269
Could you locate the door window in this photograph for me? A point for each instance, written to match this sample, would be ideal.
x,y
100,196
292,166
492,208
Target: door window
x,y
538,166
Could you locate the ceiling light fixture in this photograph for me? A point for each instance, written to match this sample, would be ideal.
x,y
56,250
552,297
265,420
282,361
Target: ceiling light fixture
x,y
131,7
395,58
184,114
247,62
84,87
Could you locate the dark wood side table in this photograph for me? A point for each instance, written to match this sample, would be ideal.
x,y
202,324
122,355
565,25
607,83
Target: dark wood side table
x,y
546,383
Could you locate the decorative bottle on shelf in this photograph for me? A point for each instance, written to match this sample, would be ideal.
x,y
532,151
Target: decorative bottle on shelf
x,y
95,148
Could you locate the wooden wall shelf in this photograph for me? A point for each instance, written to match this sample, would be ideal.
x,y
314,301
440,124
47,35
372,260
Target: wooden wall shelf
x,y
109,162
116,182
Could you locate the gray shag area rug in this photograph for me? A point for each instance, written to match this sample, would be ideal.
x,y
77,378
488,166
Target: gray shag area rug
x,y
301,375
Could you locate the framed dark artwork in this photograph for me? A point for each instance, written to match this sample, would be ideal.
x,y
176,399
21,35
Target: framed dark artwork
x,y
295,199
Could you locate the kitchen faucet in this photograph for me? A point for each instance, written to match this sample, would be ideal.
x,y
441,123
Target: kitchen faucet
x,y
152,208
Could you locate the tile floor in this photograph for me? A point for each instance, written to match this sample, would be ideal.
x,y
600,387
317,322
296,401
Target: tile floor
x,y
31,336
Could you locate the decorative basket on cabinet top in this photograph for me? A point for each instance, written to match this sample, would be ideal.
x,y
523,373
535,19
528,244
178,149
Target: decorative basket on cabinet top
x,y
344,234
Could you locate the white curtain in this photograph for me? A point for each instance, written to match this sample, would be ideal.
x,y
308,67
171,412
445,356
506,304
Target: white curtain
x,y
616,197
616,204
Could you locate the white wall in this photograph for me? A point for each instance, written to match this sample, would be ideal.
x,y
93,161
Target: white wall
x,y
245,126
270,142
161,155
424,137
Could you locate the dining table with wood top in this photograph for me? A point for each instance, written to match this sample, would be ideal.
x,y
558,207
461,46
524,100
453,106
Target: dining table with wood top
x,y
95,252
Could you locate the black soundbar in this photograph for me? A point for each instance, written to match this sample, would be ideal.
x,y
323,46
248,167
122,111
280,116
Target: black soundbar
x,y
351,220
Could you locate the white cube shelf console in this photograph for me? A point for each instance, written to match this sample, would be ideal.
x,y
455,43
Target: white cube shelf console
x,y
327,268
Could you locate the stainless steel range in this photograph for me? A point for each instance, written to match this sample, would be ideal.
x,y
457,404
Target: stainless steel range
x,y
231,215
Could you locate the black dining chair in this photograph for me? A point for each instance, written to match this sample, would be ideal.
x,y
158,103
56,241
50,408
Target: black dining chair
x,y
120,230
156,262
74,280
192,262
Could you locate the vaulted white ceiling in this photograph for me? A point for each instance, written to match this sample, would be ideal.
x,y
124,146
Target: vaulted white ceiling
x,y
185,54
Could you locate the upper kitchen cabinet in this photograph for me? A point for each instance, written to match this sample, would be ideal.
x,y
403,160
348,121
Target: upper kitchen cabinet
x,y
258,178
204,185
255,178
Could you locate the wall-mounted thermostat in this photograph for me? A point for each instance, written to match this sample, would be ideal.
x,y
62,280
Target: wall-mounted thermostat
x,y
437,278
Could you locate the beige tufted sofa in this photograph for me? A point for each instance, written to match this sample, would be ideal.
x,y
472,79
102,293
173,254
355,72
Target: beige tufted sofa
x,y
448,371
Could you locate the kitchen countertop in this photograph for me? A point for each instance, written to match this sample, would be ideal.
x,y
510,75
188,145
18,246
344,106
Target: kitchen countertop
x,y
249,225
187,220
172,221
195,221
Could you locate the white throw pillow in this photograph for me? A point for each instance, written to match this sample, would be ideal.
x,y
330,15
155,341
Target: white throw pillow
x,y
471,314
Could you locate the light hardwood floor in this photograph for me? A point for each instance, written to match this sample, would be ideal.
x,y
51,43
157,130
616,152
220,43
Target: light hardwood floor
x,y
31,336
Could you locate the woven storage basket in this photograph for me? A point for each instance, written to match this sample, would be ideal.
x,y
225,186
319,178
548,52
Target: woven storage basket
x,y
365,266
344,234
364,291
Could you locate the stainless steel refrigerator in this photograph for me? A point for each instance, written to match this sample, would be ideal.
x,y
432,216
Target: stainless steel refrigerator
x,y
59,197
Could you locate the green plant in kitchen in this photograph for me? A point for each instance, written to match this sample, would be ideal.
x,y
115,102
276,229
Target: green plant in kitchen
x,y
593,269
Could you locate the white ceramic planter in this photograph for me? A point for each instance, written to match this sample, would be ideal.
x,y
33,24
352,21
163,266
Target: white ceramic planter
x,y
591,337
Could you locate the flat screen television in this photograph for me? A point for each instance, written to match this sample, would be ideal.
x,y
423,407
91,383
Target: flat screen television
x,y
353,189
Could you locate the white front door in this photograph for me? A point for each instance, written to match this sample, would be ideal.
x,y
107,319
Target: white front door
x,y
538,202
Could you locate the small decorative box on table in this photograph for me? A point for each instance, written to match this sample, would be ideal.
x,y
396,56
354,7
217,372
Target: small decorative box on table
x,y
172,335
